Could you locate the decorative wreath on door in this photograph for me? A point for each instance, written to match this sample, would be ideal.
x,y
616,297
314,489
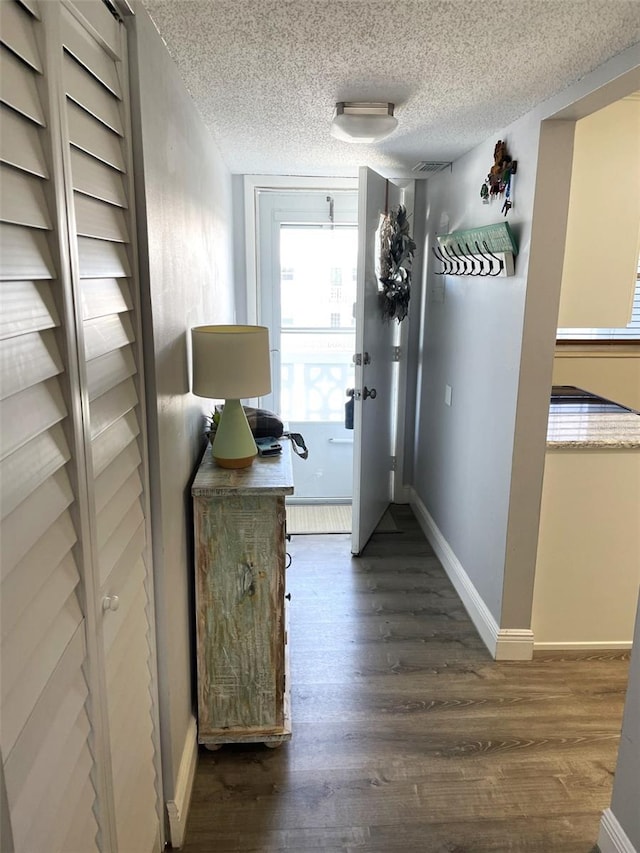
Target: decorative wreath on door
x,y
397,249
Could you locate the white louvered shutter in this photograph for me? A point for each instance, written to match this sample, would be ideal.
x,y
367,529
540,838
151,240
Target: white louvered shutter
x,y
77,715
45,728
98,157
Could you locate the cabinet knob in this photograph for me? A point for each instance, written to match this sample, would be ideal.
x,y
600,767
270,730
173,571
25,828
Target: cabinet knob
x,y
110,602
288,596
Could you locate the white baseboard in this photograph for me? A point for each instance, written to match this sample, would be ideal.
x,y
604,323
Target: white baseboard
x,y
503,643
297,501
612,646
612,837
514,644
178,809
402,494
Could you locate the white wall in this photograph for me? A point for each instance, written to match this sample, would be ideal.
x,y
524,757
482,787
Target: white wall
x,y
601,253
472,342
184,212
478,464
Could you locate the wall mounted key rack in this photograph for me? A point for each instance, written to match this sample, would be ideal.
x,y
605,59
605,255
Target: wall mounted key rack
x,y
485,251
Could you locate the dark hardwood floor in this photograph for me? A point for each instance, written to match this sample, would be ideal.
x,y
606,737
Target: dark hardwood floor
x,y
407,736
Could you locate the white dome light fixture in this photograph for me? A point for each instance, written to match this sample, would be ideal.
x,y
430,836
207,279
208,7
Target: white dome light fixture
x,y
360,122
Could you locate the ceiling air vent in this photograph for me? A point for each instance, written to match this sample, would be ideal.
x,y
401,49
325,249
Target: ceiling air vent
x,y
431,166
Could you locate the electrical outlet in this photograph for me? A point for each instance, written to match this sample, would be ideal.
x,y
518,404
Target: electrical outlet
x,y
437,289
447,395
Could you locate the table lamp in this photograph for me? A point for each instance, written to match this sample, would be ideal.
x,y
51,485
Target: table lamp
x,y
231,363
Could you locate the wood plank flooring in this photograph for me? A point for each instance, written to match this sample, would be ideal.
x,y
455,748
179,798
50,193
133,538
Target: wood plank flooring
x,y
407,736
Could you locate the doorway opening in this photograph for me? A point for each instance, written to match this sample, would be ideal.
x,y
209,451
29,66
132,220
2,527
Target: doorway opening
x,y
307,250
283,217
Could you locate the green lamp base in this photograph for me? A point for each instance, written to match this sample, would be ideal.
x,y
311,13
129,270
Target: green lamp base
x,y
233,445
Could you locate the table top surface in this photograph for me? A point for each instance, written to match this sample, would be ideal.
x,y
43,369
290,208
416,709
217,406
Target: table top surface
x,y
268,474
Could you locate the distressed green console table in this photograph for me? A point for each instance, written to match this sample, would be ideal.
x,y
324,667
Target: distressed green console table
x,y
242,653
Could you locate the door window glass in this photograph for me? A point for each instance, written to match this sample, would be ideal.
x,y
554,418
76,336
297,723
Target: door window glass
x,y
317,326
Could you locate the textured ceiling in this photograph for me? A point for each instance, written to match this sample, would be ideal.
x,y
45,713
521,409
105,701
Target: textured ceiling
x,y
265,74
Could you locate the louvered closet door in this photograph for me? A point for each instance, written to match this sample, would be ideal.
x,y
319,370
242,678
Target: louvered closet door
x,y
77,714
48,744
97,158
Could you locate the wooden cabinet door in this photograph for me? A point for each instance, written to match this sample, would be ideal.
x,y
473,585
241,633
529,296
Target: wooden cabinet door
x,y
239,607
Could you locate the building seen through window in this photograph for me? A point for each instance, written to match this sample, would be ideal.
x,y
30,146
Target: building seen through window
x,y
317,335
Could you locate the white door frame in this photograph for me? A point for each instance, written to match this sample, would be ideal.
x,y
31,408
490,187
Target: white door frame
x,y
252,185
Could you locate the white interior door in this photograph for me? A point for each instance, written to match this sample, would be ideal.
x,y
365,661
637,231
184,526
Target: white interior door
x,y
374,376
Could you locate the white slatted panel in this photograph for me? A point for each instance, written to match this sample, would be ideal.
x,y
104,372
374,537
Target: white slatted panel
x,y
107,485
96,219
26,305
92,56
107,371
103,26
18,86
93,178
45,730
25,253
30,466
110,408
20,37
22,201
105,296
94,138
20,144
105,334
32,7
33,357
19,534
136,786
101,259
91,95
17,422
101,220
112,512
110,443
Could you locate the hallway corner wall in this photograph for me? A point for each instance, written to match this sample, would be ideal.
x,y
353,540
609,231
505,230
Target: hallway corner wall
x,y
184,229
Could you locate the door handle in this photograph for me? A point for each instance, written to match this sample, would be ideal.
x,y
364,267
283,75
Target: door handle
x,y
348,409
369,393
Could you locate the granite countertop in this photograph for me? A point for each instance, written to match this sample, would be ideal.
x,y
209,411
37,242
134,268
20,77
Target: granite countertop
x,y
581,426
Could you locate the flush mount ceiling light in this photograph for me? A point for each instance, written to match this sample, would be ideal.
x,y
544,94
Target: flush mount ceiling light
x,y
358,122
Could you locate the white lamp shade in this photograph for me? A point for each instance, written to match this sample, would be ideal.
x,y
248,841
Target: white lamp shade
x,y
364,123
230,362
